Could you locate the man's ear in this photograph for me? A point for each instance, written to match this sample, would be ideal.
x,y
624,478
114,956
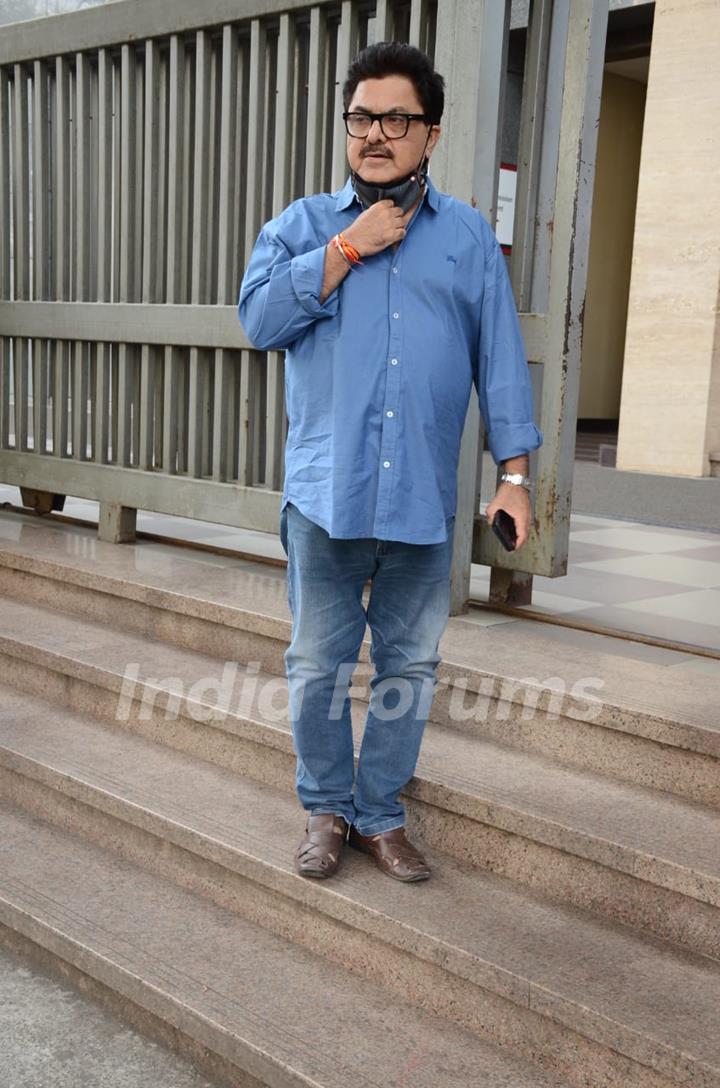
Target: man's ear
x,y
434,137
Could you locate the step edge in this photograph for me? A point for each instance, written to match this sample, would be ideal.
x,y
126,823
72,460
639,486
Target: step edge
x,y
171,1009
443,792
276,628
484,973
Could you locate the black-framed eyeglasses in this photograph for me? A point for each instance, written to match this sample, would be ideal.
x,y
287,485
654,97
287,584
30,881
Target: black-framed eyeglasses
x,y
393,125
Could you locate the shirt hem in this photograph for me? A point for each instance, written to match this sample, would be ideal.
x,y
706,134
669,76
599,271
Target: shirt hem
x,y
322,524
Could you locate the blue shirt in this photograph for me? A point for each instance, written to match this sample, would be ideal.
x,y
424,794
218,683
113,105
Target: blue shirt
x,y
378,377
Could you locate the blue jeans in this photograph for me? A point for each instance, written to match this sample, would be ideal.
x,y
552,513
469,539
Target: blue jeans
x,y
407,613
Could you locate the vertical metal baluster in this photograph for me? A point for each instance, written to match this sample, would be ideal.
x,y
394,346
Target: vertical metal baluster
x,y
197,390
299,59
21,218
161,140
256,128
418,21
346,46
5,126
94,223
283,113
61,205
316,100
240,168
221,409
183,420
228,182
149,256
41,248
4,392
236,461
79,401
177,184
127,286
176,175
224,413
246,422
281,194
116,65
83,183
21,249
233,425
158,351
5,282
213,60
104,249
115,70
188,151
83,200
135,350
258,410
383,21
267,160
274,423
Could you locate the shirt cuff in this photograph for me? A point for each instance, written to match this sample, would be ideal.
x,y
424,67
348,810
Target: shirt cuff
x,y
306,276
513,439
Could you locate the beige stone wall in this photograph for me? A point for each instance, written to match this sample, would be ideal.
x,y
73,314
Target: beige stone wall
x,y
670,407
611,242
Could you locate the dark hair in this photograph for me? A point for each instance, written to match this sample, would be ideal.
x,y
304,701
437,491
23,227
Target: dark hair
x,y
399,59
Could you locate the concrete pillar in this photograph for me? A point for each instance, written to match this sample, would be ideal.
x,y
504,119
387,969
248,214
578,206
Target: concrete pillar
x,y
670,404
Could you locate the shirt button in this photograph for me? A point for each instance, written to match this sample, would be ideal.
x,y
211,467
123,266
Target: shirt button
x,y
389,415
386,464
394,362
396,315
395,270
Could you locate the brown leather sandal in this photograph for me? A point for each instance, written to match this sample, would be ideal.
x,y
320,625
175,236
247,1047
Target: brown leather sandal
x,y
318,855
393,853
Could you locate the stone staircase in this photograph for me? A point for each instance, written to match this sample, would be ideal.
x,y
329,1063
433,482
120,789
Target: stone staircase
x,y
568,802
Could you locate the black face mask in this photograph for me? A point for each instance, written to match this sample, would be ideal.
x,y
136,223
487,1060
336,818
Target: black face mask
x,y
403,192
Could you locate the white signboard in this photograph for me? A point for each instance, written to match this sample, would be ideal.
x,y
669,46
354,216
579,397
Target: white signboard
x,y
506,204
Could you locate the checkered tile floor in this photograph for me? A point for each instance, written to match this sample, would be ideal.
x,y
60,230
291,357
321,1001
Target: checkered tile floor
x,y
627,576
648,579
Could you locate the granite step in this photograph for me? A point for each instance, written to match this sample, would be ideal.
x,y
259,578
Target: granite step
x,y
248,1006
630,853
635,719
550,981
52,1035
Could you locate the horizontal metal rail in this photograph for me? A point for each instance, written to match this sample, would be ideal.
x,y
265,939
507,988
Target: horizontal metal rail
x,y
126,322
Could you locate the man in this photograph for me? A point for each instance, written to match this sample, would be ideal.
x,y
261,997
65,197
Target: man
x,y
390,299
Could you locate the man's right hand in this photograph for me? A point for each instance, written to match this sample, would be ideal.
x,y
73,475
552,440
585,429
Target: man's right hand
x,y
381,225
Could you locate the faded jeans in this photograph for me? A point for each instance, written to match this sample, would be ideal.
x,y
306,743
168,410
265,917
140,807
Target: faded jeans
x,y
407,613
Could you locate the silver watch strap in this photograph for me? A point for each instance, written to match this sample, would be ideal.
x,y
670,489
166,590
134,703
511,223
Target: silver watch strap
x,y
518,479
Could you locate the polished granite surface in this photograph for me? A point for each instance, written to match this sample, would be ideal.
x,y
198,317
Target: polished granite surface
x,y
655,581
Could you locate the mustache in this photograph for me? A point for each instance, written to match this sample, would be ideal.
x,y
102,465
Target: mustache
x,y
376,151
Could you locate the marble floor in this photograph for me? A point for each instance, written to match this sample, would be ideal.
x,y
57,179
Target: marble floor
x,y
647,579
628,576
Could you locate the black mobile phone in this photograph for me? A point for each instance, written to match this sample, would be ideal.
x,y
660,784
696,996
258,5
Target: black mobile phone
x,y
504,528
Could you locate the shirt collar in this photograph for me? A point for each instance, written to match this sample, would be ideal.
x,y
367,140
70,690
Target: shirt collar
x,y
345,196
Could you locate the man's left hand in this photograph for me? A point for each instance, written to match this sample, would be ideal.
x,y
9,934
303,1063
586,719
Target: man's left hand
x,y
515,501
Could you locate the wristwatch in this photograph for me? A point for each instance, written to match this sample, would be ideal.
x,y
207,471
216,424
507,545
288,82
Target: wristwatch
x,y
517,478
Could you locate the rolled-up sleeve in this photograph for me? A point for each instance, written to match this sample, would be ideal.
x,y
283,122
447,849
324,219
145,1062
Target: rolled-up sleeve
x,y
501,373
280,292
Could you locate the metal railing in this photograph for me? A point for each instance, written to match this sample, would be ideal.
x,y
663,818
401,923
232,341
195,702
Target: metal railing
x,y
142,146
